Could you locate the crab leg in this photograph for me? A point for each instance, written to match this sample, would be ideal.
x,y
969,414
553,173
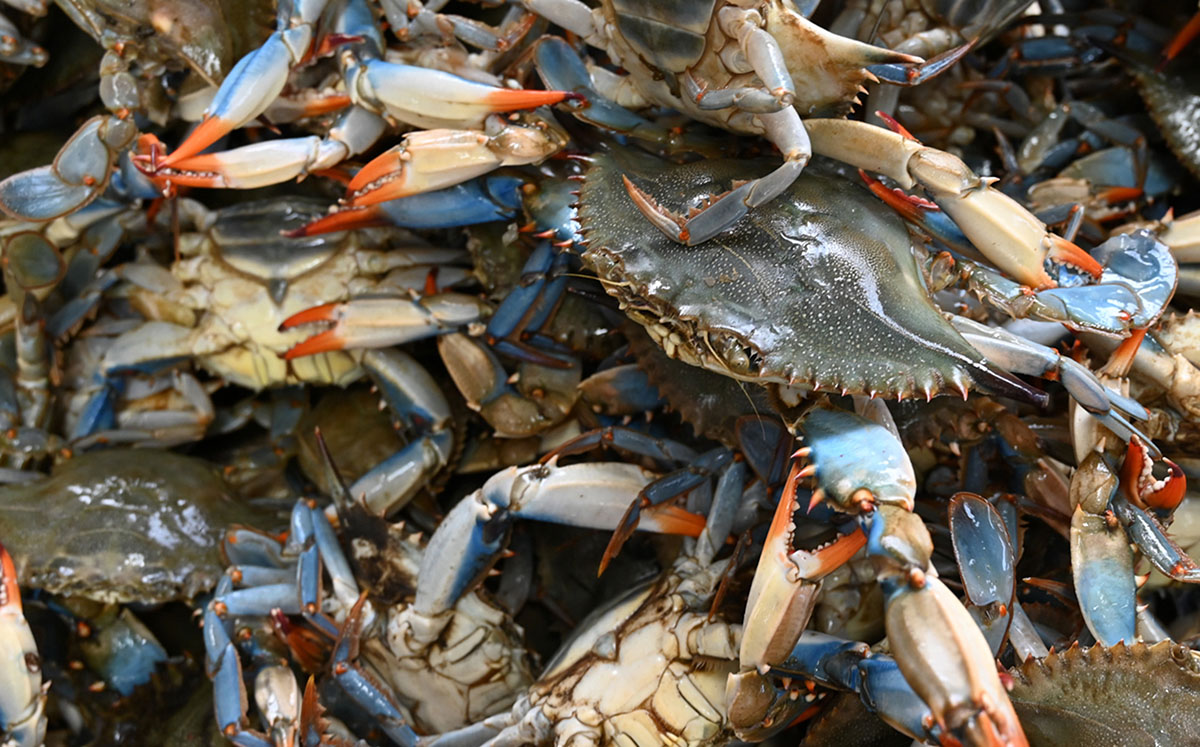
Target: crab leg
x,y
850,665
256,80
1022,356
1011,237
365,688
788,133
428,160
415,399
79,174
785,585
431,99
985,561
17,50
22,696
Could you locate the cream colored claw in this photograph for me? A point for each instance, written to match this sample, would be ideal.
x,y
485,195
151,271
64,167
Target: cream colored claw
x,y
1009,235
785,585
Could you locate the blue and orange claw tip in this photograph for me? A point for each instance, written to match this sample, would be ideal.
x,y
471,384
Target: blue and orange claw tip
x,y
209,131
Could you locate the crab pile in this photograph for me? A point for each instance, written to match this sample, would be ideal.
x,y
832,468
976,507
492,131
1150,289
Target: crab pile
x,y
551,372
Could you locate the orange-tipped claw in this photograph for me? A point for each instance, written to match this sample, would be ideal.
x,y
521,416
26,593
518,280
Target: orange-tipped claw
x,y
1064,251
1142,488
323,313
346,219
206,133
910,207
324,342
665,519
10,591
508,99
383,165
783,591
1121,361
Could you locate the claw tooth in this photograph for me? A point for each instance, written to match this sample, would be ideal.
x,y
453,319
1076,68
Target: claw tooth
x,y
808,471
818,495
802,453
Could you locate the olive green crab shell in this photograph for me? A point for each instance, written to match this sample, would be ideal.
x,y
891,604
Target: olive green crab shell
x,y
817,288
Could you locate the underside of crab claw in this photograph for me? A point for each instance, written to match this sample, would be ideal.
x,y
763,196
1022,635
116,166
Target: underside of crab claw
x,y
1142,487
785,585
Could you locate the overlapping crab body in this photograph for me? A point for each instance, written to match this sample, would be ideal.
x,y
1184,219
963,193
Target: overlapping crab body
x,y
818,289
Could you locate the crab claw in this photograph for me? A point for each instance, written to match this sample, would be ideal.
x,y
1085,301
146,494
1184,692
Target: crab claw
x,y
251,86
857,462
272,161
1142,488
434,159
784,587
383,322
948,663
1005,232
22,697
423,97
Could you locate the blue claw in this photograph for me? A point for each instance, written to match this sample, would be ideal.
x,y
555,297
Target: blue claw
x,y
985,561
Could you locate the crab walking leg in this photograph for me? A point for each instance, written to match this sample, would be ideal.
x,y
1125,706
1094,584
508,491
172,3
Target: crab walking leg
x,y
787,132
79,174
275,161
861,467
1008,234
1023,356
17,50
414,398
22,696
428,160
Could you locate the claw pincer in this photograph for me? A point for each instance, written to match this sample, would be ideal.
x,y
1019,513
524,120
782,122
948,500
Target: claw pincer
x,y
22,696
862,468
